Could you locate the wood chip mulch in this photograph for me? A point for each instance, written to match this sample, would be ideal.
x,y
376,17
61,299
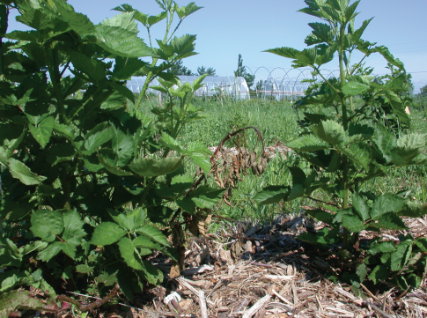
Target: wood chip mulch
x,y
264,271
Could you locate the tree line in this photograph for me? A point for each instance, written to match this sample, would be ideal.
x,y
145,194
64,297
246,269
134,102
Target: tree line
x,y
179,69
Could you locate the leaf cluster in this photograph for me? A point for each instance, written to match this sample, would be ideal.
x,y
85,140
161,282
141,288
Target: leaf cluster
x,y
352,134
89,182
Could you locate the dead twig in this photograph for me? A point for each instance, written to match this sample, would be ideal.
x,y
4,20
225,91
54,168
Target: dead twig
x,y
258,305
97,298
183,282
283,299
346,294
98,303
369,292
379,311
203,309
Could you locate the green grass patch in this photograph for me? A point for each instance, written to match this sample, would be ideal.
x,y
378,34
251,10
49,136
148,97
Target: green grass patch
x,y
278,123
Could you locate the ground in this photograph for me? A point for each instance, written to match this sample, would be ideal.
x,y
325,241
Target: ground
x,y
248,270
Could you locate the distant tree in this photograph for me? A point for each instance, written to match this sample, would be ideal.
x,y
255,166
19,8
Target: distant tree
x,y
411,87
241,72
423,90
179,69
203,70
260,85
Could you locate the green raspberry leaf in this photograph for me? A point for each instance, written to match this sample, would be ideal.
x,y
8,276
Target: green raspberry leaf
x,y
43,131
69,249
20,171
50,252
145,167
73,227
107,233
132,259
353,223
153,233
380,272
84,269
46,224
360,206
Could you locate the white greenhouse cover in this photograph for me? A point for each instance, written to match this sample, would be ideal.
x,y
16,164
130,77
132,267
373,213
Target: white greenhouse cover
x,y
213,85
283,88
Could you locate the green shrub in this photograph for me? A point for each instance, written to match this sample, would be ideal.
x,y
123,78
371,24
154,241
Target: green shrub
x,y
89,182
348,144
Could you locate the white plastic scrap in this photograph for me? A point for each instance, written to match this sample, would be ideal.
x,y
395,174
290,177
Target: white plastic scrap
x,y
171,296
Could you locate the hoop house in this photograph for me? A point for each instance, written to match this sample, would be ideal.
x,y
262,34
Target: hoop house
x,y
213,86
281,83
280,88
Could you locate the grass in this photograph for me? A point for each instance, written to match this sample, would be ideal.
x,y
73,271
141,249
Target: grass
x,y
277,122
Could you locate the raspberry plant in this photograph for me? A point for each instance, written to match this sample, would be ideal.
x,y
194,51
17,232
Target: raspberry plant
x,y
348,145
89,182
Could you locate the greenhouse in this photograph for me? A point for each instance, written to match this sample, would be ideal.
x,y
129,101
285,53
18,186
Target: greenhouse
x,y
278,84
283,83
214,86
279,88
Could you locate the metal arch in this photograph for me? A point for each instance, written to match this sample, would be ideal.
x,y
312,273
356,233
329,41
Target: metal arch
x,y
292,82
274,81
283,86
330,75
302,72
287,84
279,95
254,74
258,68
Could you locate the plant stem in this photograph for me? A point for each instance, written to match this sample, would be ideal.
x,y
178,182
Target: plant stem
x,y
343,99
326,81
63,71
149,36
185,105
4,14
147,189
358,65
169,20
52,58
345,125
320,201
176,28
66,186
147,82
81,107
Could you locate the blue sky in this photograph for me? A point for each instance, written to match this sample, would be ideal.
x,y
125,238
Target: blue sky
x,y
225,28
